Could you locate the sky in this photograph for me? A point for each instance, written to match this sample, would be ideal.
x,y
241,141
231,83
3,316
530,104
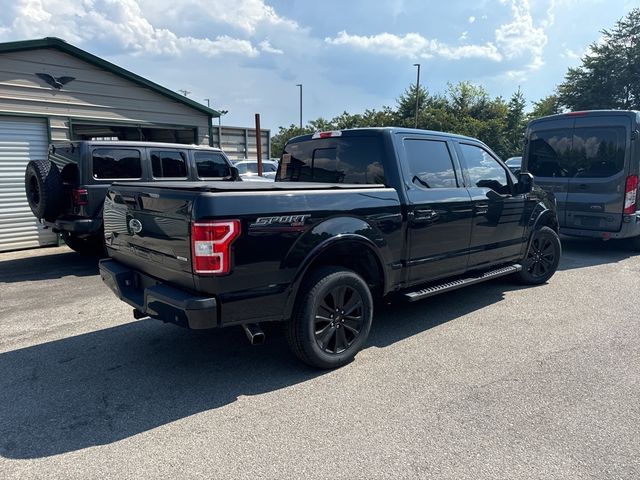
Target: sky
x,y
247,56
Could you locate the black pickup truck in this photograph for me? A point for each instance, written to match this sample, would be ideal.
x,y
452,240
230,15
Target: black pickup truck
x,y
353,216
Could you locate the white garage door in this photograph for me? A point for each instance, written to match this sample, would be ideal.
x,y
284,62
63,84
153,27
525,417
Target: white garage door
x,y
21,140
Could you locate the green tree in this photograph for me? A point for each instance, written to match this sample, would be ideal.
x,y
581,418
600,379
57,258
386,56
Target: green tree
x,y
515,124
406,104
549,105
609,76
284,135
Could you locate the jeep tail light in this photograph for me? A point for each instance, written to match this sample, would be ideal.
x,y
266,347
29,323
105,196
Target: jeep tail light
x,y
631,194
211,245
80,196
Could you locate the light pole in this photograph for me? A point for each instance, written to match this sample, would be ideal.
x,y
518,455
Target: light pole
x,y
221,112
300,85
417,92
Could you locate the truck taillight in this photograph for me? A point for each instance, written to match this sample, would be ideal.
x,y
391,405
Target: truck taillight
x,y
80,196
631,194
211,245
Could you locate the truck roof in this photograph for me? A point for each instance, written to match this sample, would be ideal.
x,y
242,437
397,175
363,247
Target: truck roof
x,y
381,130
633,114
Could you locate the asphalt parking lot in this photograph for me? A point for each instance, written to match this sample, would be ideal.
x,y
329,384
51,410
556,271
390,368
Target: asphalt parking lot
x,y
494,381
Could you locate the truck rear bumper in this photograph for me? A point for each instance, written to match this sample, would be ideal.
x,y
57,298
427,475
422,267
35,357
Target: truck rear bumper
x,y
157,300
630,228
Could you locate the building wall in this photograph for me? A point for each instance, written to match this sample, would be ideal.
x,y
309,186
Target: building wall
x,y
95,95
239,143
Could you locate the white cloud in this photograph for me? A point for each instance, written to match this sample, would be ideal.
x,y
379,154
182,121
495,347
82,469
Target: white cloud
x,y
521,40
246,15
266,46
129,26
521,37
414,46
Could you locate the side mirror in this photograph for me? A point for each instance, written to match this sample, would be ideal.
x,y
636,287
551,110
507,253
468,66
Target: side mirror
x,y
235,174
525,183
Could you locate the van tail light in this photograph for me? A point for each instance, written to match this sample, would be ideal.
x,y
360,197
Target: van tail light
x,y
631,194
80,197
211,245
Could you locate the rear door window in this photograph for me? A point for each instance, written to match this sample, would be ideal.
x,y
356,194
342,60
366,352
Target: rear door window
x,y
211,165
348,159
598,152
550,153
116,163
429,161
168,164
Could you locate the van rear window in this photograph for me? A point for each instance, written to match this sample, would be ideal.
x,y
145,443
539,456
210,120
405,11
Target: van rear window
x,y
334,160
586,152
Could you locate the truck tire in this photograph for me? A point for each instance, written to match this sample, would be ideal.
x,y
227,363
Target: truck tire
x,y
635,244
43,184
542,258
332,318
92,246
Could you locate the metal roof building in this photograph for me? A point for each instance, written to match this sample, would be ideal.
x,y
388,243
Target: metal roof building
x,y
53,91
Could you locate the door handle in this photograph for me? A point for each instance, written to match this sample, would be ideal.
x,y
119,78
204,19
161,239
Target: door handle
x,y
481,208
426,215
583,186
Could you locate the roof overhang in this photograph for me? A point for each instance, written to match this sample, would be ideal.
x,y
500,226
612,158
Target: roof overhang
x,y
61,45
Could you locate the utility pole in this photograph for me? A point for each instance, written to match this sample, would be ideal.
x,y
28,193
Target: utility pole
x,y
300,85
417,93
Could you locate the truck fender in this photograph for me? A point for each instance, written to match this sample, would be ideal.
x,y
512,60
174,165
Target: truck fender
x,y
325,236
540,216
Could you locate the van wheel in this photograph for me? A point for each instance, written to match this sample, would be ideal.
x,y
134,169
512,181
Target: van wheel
x,y
92,246
332,319
43,185
542,258
635,243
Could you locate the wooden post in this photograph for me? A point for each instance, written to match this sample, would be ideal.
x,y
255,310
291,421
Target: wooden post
x,y
259,144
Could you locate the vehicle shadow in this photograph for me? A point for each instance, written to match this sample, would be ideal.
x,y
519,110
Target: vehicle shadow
x,y
580,252
47,267
111,384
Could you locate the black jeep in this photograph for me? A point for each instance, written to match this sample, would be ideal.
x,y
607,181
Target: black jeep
x,y
66,192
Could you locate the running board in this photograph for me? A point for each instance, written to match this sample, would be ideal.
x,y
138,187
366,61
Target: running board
x,y
463,282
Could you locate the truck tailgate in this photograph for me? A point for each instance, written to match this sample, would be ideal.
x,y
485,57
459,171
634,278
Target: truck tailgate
x,y
150,231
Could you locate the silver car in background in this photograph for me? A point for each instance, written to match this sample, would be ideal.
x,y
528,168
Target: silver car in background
x,y
248,170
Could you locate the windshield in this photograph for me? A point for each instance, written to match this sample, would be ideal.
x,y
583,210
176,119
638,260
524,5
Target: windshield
x,y
347,159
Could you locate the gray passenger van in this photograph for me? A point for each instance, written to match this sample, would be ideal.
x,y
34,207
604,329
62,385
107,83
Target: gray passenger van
x,y
590,161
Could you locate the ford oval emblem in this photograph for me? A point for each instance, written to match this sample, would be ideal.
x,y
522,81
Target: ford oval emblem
x,y
135,225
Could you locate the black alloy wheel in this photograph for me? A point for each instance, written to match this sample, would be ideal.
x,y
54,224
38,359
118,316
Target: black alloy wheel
x,y
339,319
332,317
542,258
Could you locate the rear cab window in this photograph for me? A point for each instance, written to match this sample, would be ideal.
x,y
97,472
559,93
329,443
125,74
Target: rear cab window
x,y
116,163
344,159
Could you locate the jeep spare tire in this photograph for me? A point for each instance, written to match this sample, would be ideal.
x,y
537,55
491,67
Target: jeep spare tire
x,y
43,184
